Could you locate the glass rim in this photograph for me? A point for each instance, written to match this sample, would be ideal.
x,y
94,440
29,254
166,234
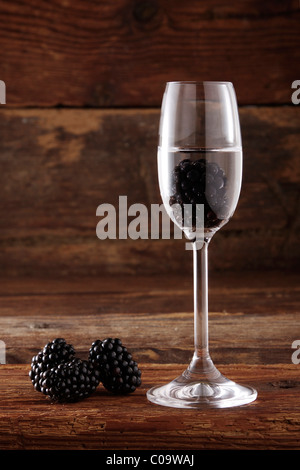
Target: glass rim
x,y
198,82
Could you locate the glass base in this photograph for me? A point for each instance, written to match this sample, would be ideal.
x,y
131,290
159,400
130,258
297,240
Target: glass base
x,y
190,391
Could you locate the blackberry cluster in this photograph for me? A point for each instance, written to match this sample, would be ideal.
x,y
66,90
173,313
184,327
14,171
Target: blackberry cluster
x,y
201,182
51,355
70,381
119,373
58,374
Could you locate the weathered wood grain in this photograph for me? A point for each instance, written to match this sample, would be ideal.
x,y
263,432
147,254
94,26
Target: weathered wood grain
x,y
234,338
28,421
250,342
253,316
268,291
121,53
58,166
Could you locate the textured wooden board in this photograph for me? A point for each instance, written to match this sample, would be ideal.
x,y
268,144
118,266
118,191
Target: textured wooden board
x,y
28,421
58,166
253,322
253,317
234,338
121,53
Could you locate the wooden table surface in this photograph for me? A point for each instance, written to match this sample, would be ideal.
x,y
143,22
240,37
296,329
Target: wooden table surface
x,y
253,321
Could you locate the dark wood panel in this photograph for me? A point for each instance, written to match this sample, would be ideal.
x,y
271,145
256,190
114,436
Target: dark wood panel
x,y
252,316
86,257
25,335
102,421
58,166
121,53
252,327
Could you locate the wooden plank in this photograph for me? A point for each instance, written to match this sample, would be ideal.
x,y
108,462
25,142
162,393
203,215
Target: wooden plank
x,y
73,256
252,316
58,166
102,421
121,53
269,291
235,338
250,342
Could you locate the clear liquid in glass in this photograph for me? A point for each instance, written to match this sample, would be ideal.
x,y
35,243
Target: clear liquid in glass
x,y
190,177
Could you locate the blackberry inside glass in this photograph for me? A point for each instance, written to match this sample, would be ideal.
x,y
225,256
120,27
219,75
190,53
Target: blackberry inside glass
x,y
201,182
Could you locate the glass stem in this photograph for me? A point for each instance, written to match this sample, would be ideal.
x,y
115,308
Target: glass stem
x,y
201,361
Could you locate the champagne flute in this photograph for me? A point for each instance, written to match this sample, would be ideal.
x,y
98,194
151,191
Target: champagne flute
x,y
200,175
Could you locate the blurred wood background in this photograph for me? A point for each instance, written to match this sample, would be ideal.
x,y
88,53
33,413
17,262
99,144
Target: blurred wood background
x,y
84,83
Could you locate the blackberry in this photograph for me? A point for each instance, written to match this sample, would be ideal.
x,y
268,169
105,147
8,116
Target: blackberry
x,y
70,381
119,373
200,182
51,355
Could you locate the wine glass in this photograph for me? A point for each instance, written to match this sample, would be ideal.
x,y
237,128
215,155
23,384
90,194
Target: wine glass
x,y
200,174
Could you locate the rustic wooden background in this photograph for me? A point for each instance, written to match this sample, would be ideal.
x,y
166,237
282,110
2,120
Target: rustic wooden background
x,y
84,82
84,86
